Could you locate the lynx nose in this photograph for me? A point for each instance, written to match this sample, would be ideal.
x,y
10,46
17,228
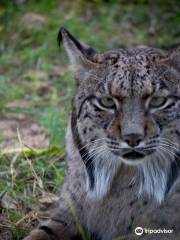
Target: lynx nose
x,y
133,139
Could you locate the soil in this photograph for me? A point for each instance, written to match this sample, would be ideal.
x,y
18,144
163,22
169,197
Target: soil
x,y
31,133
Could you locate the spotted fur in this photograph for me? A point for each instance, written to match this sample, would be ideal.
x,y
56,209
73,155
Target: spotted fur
x,y
123,158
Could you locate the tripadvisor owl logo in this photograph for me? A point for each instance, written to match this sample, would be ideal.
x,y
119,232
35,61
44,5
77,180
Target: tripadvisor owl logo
x,y
139,231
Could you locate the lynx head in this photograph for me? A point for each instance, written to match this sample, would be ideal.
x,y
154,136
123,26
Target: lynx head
x,y
126,111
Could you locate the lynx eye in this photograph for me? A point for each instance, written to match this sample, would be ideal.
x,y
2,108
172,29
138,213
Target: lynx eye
x,y
107,102
157,102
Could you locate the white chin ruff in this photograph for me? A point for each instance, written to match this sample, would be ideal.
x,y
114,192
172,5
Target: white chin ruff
x,y
105,168
153,175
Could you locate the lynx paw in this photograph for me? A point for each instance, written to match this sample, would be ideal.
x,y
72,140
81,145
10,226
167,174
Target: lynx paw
x,y
38,235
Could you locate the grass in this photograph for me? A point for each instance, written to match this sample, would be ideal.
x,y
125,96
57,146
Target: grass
x,y
35,71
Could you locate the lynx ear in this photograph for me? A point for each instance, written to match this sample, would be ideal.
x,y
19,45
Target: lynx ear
x,y
79,54
174,58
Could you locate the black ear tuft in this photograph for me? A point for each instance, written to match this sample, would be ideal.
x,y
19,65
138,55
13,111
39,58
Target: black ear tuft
x,y
59,37
88,51
65,32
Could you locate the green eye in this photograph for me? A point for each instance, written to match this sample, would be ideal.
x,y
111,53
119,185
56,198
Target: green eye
x,y
157,102
107,102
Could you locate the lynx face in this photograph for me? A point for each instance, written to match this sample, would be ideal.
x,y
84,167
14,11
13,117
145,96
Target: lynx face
x,y
129,111
126,111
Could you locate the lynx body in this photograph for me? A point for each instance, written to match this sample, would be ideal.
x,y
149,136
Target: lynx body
x,y
122,146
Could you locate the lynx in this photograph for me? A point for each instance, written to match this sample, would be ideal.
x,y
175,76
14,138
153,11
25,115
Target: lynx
x,y
122,146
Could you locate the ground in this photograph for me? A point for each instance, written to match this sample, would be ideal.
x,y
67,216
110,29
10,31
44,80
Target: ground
x,y
36,88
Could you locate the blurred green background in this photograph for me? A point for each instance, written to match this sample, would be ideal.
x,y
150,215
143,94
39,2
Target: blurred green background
x,y
36,86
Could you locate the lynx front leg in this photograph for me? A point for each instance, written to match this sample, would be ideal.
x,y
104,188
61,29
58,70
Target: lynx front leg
x,y
52,230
